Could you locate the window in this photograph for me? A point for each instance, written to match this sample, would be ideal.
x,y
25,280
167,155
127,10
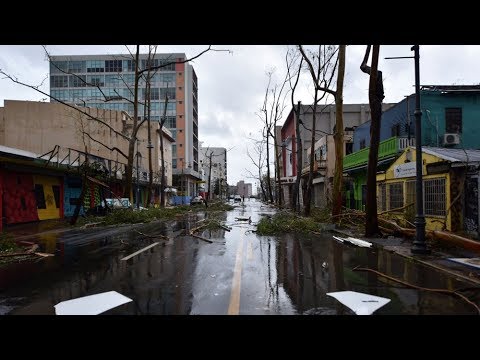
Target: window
x,y
128,65
348,148
96,80
434,195
59,81
396,130
77,80
174,163
362,144
395,192
453,120
58,67
95,66
382,197
180,102
40,196
170,92
76,67
113,66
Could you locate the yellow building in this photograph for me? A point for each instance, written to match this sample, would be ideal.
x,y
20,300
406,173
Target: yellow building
x,y
450,188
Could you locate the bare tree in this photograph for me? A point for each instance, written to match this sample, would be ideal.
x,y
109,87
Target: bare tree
x,y
258,160
270,113
375,97
296,109
324,84
129,133
322,70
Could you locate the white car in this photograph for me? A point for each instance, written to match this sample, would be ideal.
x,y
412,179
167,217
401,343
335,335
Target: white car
x,y
196,200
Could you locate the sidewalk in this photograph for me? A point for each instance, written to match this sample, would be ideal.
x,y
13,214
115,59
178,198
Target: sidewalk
x,y
26,230
438,259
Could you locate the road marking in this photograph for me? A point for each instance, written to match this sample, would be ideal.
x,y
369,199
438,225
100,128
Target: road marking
x,y
249,250
234,306
139,251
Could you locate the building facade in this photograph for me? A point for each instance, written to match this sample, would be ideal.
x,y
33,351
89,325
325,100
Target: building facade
x,y
213,162
65,137
353,116
107,82
244,189
449,119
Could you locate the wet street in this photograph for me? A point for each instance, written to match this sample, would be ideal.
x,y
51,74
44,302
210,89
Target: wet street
x,y
239,273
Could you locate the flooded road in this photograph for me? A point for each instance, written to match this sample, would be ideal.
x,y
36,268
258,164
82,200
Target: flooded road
x,y
239,273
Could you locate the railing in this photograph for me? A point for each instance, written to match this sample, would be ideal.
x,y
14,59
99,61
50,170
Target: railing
x,y
317,165
387,148
74,159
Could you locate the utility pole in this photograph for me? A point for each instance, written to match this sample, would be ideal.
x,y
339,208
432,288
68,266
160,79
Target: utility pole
x,y
419,245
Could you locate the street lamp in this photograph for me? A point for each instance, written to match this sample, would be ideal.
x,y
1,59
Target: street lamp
x,y
419,245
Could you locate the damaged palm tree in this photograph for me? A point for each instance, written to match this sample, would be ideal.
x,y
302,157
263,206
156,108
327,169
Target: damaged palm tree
x,y
375,97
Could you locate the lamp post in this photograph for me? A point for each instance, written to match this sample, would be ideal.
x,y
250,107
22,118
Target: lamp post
x,y
419,245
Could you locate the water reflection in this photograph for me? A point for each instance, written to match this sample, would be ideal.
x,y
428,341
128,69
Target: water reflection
x,y
306,283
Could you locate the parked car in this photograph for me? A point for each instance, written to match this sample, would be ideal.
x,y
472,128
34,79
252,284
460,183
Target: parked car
x,y
237,198
197,200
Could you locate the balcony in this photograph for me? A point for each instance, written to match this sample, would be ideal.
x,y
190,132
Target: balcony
x,y
317,166
388,148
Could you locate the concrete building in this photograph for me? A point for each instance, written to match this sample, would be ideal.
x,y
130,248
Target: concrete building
x,y
214,159
60,131
244,189
107,81
353,115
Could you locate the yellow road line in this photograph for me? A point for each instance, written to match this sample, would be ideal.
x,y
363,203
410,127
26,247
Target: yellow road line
x,y
234,306
249,250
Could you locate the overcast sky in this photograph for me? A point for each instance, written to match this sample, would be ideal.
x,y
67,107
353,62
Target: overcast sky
x,y
231,86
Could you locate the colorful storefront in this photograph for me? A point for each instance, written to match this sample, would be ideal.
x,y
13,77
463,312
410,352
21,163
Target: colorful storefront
x,y
448,175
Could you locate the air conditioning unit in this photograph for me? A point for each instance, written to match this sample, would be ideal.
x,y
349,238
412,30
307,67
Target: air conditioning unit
x,y
451,139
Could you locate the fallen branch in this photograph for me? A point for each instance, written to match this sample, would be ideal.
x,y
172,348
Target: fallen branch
x,y
396,209
201,238
441,291
152,236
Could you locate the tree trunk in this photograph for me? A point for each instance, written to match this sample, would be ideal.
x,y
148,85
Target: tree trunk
x,y
371,224
76,212
209,174
338,136
307,198
299,155
162,153
133,139
150,169
269,183
277,169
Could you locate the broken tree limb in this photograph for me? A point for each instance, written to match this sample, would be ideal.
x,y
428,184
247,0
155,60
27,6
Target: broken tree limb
x,y
201,238
396,209
456,240
152,236
441,291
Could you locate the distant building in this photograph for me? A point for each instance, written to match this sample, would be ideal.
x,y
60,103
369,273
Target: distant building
x,y
218,166
244,189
